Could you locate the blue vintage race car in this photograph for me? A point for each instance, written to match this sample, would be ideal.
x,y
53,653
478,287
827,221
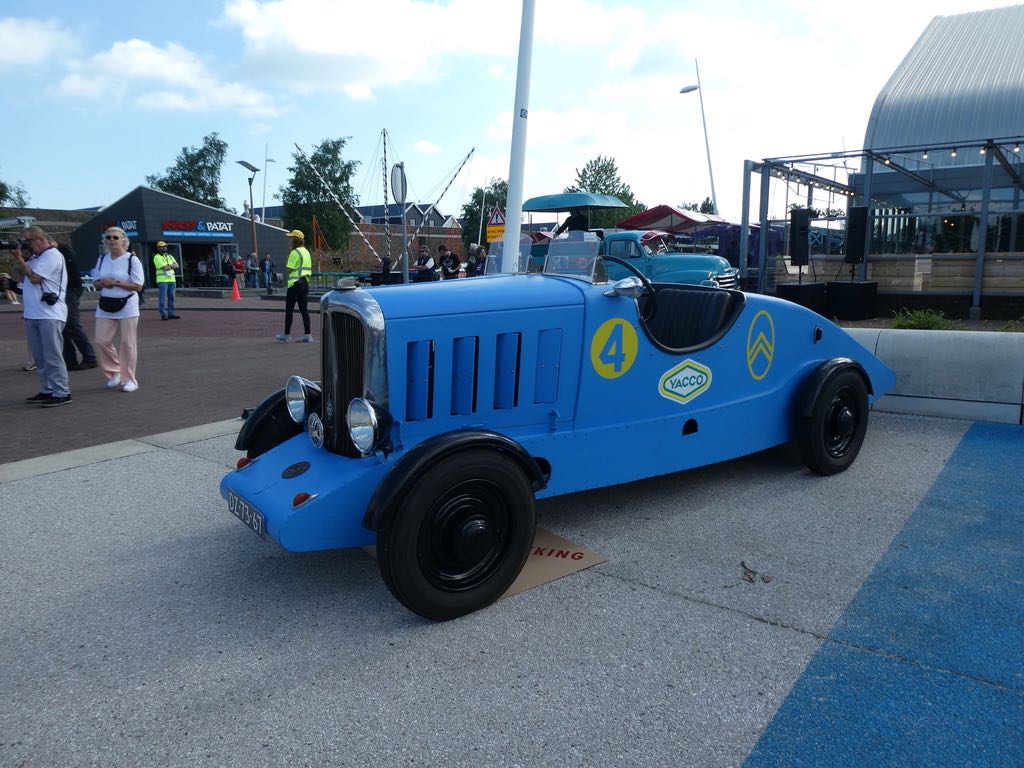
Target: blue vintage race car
x,y
446,409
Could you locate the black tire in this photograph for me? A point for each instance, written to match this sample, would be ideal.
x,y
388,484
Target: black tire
x,y
460,536
830,439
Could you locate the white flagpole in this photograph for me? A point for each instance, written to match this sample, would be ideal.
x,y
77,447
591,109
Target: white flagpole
x,y
514,209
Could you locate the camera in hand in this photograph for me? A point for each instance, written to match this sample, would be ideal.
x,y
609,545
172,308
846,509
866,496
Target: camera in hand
x,y
13,245
49,297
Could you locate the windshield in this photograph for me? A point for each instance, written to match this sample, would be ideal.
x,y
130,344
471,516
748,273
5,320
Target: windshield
x,y
576,256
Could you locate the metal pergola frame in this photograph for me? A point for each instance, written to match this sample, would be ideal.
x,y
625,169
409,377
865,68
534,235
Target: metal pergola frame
x,y
887,175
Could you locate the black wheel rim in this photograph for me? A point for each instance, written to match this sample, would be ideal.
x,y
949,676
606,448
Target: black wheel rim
x,y
841,420
465,535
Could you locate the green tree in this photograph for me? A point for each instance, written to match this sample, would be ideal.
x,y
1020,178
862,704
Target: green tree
x,y
601,176
496,195
305,196
704,207
13,194
195,175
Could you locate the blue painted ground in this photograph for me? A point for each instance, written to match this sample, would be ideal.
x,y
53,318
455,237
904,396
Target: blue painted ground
x,y
926,665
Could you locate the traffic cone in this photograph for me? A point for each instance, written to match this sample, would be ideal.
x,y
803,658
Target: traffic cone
x,y
234,290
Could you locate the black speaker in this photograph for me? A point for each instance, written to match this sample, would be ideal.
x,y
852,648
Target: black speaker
x,y
799,232
856,234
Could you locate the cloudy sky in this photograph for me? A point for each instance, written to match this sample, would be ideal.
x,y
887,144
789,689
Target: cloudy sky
x,y
104,93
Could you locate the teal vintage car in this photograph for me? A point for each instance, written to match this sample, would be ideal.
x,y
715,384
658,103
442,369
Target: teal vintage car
x,y
651,254
647,250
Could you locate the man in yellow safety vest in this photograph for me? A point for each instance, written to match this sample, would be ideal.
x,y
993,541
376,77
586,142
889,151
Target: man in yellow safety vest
x,y
299,268
165,266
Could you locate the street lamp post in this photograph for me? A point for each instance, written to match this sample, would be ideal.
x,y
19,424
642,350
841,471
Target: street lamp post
x,y
263,207
252,211
707,146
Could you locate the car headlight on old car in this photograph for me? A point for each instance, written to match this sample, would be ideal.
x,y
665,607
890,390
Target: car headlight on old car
x,y
363,425
301,396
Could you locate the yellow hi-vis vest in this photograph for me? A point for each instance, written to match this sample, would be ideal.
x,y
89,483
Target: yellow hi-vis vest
x,y
300,264
163,261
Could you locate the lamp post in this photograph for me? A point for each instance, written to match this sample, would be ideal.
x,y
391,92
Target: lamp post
x,y
263,207
252,211
707,147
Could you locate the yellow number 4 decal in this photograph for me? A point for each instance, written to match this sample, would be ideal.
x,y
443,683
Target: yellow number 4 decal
x,y
613,348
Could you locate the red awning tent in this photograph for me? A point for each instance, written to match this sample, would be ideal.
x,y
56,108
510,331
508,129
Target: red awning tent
x,y
669,219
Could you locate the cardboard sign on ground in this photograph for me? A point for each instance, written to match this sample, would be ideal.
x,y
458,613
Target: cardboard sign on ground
x,y
551,557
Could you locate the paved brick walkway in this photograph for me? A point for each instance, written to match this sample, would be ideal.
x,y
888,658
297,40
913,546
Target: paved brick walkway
x,y
219,358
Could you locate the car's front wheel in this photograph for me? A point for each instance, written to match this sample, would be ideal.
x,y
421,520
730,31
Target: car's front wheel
x,y
830,438
460,536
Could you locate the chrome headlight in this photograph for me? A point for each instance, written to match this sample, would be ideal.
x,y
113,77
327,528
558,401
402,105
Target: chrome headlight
x,y
300,395
363,425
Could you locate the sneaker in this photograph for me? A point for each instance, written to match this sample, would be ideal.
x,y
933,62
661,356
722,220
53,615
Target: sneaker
x,y
131,386
83,366
41,397
174,317
306,339
53,401
113,381
283,337
28,367
164,317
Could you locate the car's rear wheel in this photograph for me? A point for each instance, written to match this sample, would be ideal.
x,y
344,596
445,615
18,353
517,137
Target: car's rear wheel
x,y
460,536
831,437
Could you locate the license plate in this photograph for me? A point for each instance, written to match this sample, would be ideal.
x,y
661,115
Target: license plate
x,y
247,513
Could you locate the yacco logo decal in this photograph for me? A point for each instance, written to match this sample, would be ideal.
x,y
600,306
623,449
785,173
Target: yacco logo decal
x,y
685,381
613,348
760,345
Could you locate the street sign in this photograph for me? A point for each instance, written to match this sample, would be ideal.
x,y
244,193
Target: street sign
x,y
398,185
496,226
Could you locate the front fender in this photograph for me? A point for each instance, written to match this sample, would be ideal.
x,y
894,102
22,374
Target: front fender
x,y
425,455
268,425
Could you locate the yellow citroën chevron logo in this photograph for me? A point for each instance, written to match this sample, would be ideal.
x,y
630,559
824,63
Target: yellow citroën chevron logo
x,y
760,345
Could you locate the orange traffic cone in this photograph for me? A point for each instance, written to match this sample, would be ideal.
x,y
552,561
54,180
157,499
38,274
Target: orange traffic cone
x,y
234,290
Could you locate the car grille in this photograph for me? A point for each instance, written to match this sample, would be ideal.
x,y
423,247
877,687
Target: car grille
x,y
343,366
727,280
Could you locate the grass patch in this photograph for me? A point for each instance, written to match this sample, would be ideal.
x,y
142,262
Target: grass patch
x,y
1014,326
923,320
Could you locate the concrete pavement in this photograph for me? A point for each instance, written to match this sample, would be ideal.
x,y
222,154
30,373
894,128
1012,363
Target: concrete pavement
x,y
748,611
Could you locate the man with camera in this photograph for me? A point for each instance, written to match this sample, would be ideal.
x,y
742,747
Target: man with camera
x,y
45,311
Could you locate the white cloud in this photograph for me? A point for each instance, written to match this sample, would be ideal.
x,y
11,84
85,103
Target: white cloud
x,y
31,43
171,77
360,48
426,147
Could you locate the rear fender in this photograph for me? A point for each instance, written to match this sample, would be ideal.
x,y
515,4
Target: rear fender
x,y
816,381
420,459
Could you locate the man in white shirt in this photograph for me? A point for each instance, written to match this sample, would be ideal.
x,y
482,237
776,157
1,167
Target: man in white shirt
x,y
44,290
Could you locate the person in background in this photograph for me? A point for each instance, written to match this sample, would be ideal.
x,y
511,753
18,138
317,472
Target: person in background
x,y
239,265
450,263
252,272
43,291
76,341
300,267
164,264
481,260
7,288
577,222
119,276
201,273
267,272
424,266
227,270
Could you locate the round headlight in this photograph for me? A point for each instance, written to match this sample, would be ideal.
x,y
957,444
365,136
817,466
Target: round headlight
x,y
363,427
296,397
